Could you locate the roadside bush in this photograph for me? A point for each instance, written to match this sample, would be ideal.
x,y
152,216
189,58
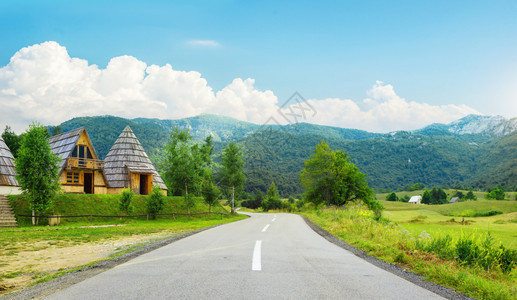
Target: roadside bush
x,y
254,203
154,203
273,203
300,203
469,250
125,199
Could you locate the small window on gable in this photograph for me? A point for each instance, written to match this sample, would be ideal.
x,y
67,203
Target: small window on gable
x,y
82,151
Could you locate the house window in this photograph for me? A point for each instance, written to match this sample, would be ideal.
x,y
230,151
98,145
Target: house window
x,y
72,177
81,151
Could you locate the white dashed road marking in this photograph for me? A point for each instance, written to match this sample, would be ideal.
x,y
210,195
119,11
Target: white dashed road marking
x,y
256,264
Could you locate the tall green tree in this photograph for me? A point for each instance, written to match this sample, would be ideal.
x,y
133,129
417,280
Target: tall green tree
x,y
329,177
210,192
11,140
232,174
184,165
426,197
272,199
37,169
57,130
438,196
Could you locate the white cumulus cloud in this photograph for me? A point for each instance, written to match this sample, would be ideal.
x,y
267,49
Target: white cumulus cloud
x,y
42,82
384,111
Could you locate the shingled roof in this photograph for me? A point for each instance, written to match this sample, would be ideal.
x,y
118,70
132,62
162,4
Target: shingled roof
x,y
7,171
128,154
63,144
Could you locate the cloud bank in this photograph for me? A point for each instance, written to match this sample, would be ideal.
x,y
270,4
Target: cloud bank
x,y
42,82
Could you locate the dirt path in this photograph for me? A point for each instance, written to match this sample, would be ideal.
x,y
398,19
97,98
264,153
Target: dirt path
x,y
43,258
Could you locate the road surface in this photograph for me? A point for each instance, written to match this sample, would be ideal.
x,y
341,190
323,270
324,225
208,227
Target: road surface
x,y
267,256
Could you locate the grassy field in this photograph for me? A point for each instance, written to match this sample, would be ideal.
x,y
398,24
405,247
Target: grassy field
x,y
456,218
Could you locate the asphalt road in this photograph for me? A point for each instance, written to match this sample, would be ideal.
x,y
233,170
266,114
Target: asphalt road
x,y
264,257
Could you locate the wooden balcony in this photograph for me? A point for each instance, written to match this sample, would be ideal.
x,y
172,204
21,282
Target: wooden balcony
x,y
84,164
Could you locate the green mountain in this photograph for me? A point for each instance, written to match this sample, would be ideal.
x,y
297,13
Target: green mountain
x,y
438,155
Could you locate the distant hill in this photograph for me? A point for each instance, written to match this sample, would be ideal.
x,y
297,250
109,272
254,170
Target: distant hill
x,y
475,151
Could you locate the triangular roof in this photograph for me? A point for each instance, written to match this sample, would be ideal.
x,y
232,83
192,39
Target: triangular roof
x,y
454,199
7,170
127,154
63,144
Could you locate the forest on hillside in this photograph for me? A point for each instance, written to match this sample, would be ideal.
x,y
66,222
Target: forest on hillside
x,y
433,157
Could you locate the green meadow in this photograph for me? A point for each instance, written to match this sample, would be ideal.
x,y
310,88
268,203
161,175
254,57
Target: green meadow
x,y
457,218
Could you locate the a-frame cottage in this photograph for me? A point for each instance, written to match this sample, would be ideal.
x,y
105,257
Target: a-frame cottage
x,y
8,183
80,169
127,166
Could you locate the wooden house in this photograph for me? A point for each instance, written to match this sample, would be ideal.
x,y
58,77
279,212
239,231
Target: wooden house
x,y
80,169
127,166
8,182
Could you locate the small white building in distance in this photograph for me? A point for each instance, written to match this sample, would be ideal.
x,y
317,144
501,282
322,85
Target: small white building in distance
x,y
415,199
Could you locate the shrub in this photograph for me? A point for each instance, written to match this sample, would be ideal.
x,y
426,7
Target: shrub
x,y
470,196
392,197
125,199
497,194
154,203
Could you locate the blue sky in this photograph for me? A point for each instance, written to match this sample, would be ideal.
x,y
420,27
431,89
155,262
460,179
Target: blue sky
x,y
431,52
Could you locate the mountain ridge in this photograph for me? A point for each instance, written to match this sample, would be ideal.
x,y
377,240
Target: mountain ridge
x,y
436,155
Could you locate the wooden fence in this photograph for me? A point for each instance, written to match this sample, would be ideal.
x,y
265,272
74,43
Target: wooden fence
x,y
91,216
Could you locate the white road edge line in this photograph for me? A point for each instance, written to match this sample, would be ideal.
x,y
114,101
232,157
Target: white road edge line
x,y
265,228
257,264
273,220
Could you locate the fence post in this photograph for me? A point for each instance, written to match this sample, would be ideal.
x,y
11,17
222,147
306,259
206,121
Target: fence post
x,y
173,216
147,217
91,219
